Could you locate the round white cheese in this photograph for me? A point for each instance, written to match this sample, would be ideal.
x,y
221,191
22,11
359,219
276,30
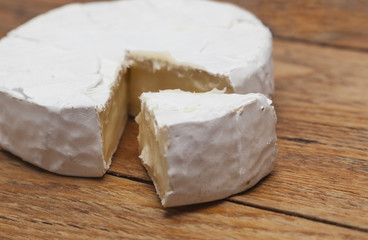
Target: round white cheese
x,y
63,68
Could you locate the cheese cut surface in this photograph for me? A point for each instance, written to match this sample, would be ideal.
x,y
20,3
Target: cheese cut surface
x,y
203,147
69,77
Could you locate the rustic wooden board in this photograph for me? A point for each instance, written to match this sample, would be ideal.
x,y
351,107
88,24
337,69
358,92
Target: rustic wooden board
x,y
319,186
42,205
322,170
341,23
322,106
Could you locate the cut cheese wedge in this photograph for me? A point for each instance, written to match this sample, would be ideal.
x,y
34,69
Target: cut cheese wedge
x,y
203,147
69,78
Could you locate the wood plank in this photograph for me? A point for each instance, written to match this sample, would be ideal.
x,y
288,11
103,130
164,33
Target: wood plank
x,y
322,106
125,161
322,170
42,205
341,23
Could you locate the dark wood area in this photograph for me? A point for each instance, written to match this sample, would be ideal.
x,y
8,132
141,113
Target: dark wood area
x,y
340,23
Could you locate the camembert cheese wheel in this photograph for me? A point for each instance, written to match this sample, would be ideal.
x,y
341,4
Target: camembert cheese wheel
x,y
70,77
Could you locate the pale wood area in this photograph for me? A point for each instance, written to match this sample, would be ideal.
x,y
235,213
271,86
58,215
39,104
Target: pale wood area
x,y
319,188
37,204
340,23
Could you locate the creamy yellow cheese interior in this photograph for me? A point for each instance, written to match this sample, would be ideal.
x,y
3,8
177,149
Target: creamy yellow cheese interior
x,y
148,73
114,116
155,141
154,74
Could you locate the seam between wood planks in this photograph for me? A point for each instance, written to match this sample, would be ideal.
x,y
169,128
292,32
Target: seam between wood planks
x,y
309,141
265,208
299,140
321,143
116,174
321,44
293,214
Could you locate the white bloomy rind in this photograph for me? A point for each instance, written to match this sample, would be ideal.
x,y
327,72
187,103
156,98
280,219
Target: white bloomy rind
x,y
211,145
58,71
65,141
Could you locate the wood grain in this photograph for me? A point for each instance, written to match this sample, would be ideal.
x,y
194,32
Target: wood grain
x,y
322,106
37,204
126,162
340,23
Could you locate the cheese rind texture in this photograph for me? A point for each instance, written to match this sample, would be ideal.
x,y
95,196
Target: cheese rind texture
x,y
203,147
70,61
65,141
78,49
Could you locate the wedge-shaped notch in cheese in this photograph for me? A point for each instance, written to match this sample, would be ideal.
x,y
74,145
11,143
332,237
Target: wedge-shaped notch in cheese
x,y
203,147
69,78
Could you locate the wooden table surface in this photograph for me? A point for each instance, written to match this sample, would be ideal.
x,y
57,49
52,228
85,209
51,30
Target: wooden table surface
x,y
318,190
